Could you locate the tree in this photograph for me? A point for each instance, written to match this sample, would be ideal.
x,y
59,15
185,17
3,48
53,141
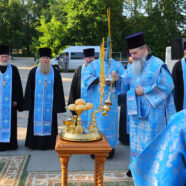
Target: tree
x,y
11,22
160,20
52,34
18,19
84,22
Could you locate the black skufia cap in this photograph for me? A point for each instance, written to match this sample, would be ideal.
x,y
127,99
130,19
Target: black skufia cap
x,y
135,40
45,52
4,49
89,52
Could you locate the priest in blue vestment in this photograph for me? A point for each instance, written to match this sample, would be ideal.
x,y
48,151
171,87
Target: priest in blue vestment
x,y
107,124
163,162
179,77
149,86
78,89
44,98
11,100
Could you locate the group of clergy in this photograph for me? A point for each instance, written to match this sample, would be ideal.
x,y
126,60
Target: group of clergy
x,y
147,82
150,89
44,98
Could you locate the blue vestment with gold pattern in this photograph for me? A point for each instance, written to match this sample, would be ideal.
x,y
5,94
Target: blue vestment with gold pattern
x,y
43,103
184,81
148,114
86,95
5,104
107,124
163,162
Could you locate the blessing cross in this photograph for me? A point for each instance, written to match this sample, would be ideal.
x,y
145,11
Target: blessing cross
x,y
4,82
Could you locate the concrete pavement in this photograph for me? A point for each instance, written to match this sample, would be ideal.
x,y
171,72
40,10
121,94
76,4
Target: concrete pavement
x,y
48,160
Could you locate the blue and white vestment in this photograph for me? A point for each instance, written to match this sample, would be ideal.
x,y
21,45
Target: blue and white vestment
x,y
163,162
107,124
43,103
5,104
148,114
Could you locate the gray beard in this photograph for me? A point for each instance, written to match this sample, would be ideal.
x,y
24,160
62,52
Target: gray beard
x,y
4,63
45,68
138,66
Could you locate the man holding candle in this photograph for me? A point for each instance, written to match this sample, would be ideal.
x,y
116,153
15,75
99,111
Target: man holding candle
x,y
107,124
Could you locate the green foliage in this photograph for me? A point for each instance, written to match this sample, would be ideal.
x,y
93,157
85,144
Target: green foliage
x,y
30,24
10,22
160,20
17,23
52,34
82,23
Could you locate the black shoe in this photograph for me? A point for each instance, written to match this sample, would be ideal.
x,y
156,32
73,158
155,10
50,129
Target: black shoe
x,y
129,174
111,154
92,156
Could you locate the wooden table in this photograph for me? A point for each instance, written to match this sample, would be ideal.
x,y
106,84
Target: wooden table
x,y
66,149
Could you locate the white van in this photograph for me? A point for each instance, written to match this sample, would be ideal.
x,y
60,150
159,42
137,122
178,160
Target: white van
x,y
75,56
168,61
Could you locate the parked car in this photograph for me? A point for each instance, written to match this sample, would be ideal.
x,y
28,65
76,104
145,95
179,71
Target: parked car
x,y
55,62
74,56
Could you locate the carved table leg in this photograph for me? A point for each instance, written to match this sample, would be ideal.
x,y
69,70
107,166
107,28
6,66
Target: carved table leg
x,y
99,170
64,159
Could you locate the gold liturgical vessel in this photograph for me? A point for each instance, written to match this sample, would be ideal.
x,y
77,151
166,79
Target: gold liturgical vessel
x,y
73,130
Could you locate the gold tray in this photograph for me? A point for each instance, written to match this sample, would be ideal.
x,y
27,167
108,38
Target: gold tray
x,y
80,137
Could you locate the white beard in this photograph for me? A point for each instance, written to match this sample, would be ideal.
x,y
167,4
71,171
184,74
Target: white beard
x,y
45,68
138,66
4,63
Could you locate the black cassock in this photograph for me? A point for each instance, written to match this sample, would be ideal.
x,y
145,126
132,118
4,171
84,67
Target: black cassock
x,y
75,90
43,142
17,96
177,74
123,136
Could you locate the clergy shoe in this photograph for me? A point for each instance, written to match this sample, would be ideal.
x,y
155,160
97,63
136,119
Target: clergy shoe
x,y
129,174
92,156
111,154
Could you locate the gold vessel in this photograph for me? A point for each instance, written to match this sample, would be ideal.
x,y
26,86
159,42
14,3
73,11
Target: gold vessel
x,y
73,130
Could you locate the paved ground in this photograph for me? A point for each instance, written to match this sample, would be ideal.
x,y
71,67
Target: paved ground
x,y
48,160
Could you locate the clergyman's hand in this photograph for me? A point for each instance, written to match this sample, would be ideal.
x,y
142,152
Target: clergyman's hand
x,y
14,104
139,90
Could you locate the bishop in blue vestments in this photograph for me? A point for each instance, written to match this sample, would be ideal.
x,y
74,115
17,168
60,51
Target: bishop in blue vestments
x,y
149,86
